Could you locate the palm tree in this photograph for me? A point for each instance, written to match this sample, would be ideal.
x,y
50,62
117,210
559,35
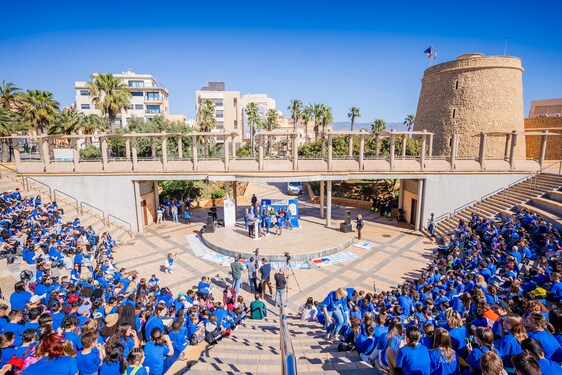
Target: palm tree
x,y
9,124
271,122
317,112
378,126
307,116
254,119
296,112
206,121
39,109
67,122
352,114
409,122
10,95
326,117
109,94
90,125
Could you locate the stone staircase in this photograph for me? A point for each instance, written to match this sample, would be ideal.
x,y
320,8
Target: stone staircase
x,y
254,348
539,194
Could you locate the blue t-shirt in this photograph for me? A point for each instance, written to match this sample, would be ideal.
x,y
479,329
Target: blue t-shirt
x,y
88,364
153,322
509,346
18,300
154,357
414,361
111,368
265,271
55,366
441,365
7,354
140,371
550,345
549,367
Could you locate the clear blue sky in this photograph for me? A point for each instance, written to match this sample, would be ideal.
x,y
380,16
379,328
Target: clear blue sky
x,y
363,53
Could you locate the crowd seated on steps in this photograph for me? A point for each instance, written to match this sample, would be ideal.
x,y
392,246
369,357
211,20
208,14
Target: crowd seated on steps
x,y
76,311
488,303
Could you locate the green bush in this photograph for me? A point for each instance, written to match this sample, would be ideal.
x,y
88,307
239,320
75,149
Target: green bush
x,y
90,152
218,193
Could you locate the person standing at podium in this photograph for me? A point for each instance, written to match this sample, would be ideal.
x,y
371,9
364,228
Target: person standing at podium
x,y
360,225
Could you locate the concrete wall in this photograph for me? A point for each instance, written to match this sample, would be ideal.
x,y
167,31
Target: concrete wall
x,y
445,193
112,194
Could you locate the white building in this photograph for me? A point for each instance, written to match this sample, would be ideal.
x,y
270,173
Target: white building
x,y
148,99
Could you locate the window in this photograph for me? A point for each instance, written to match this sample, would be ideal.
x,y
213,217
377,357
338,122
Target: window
x,y
136,83
153,96
84,106
84,92
152,109
136,93
219,126
457,85
218,103
139,106
118,122
128,107
454,112
219,114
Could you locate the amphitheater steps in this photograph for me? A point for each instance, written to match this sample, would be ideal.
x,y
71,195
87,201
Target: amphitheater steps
x,y
555,196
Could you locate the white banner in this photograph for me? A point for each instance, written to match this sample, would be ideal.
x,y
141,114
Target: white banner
x,y
229,213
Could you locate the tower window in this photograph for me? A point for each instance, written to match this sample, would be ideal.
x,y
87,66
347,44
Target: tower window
x,y
457,85
454,112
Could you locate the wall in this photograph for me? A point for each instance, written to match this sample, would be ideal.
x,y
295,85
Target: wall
x,y
407,204
445,193
553,149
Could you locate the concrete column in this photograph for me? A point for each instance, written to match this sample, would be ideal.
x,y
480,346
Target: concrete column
x,y
194,152
418,224
156,197
260,152
377,145
104,161
15,147
226,153
46,153
329,203
454,145
180,147
128,148
392,149
401,195
423,145
153,147
430,148
322,199
75,153
323,146
350,145
542,154
233,148
512,150
138,208
361,152
235,193
330,151
482,154
404,143
164,153
507,146
227,189
134,152
295,152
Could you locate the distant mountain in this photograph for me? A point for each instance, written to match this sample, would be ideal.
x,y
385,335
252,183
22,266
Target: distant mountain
x,y
344,125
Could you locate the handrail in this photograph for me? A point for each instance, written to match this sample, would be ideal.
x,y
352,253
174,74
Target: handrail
x,y
465,206
108,222
95,208
68,196
288,360
27,178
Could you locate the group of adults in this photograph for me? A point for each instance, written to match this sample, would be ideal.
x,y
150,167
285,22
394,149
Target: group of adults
x,y
488,303
265,220
172,209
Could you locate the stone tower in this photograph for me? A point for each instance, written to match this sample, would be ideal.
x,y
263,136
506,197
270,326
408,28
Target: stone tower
x,y
472,94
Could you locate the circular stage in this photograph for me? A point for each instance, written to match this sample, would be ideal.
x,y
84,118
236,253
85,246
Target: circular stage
x,y
311,240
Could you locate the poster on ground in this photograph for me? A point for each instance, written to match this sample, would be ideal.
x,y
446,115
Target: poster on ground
x,y
365,245
334,259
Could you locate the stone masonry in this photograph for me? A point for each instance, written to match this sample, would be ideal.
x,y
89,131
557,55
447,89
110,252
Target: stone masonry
x,y
553,147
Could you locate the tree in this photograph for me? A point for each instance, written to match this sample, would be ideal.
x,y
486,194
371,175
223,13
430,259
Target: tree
x,y
206,121
39,109
254,120
307,116
67,122
317,112
378,126
9,124
10,95
296,112
109,95
271,122
90,125
326,117
353,113
409,122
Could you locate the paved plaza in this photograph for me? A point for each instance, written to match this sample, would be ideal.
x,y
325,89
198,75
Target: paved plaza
x,y
399,253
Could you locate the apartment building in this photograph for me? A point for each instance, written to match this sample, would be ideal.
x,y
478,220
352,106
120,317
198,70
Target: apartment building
x,y
546,108
148,99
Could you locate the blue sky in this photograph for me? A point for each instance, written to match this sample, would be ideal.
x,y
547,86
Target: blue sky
x,y
338,53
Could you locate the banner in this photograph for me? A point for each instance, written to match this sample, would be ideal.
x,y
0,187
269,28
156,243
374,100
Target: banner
x,y
229,213
334,259
283,203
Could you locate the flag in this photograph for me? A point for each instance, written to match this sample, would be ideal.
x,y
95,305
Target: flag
x,y
429,52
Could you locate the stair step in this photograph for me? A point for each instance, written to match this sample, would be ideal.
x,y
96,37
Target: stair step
x,y
548,205
547,216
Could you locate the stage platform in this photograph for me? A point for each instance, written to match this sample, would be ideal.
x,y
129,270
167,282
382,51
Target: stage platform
x,y
312,240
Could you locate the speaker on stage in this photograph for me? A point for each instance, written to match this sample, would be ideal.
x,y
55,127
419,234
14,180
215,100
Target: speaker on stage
x,y
346,228
347,217
210,223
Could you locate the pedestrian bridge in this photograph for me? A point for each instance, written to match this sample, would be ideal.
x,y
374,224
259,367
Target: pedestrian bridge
x,y
187,155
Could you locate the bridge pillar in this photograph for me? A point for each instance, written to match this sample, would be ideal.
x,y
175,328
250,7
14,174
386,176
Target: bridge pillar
x,y
322,199
404,143
75,153
454,146
361,151
104,161
329,203
482,154
128,148
15,147
330,151
46,154
194,152
542,154
513,147
260,152
392,149
134,152
295,152
164,153
180,148
423,145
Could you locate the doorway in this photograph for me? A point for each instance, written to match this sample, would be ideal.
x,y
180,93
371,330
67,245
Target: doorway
x,y
144,212
413,209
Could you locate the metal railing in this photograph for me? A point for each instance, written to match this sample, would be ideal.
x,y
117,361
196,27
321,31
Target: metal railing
x,y
288,360
76,204
119,222
82,204
26,185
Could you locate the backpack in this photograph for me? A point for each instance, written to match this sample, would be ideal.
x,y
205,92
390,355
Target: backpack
x,y
21,363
